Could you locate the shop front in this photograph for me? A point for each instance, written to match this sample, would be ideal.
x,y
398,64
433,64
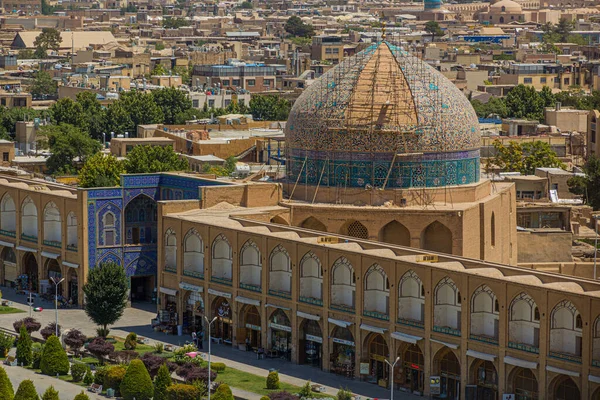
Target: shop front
x,y
411,376
343,349
8,275
449,370
281,335
311,341
193,312
223,326
250,336
73,287
167,316
486,380
378,370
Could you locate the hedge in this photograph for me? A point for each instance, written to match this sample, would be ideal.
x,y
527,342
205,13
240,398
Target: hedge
x,y
182,392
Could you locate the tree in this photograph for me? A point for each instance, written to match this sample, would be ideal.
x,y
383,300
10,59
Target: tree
x,y
494,106
101,170
547,97
25,54
171,101
117,119
78,371
296,27
49,39
24,353
82,396
175,23
434,29
67,145
6,387
31,325
141,109
269,108
162,381
54,358
150,159
106,293
525,158
50,330
588,186
524,102
75,339
223,392
50,394
114,378
137,384
26,391
93,112
43,84
67,111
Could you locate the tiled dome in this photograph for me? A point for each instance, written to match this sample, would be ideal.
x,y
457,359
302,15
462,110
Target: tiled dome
x,y
383,117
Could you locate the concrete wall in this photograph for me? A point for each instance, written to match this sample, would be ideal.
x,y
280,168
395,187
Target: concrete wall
x,y
556,247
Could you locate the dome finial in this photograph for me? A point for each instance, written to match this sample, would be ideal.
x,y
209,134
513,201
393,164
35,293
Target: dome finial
x,y
382,30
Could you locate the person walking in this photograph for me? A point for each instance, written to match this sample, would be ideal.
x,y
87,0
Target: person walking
x,y
200,340
195,339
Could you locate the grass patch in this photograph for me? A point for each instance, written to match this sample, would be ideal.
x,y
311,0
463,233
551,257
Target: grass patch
x,y
10,310
255,384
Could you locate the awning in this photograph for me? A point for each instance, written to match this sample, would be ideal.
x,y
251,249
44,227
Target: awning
x,y
170,292
520,363
339,322
48,254
405,337
6,244
24,248
450,345
276,306
562,371
593,378
219,293
371,328
245,300
70,264
481,356
193,288
308,316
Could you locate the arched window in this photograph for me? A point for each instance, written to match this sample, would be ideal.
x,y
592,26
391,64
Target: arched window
x,y
523,325
8,214
311,279
343,288
493,229
250,267
170,251
503,9
72,231
565,334
411,300
222,260
447,311
484,313
377,293
437,237
109,231
193,254
280,273
52,225
29,220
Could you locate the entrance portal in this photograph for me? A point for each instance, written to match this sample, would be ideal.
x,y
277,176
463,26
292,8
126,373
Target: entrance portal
x,y
378,353
311,343
31,273
485,377
449,370
142,288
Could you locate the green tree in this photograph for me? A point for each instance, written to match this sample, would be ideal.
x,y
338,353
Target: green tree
x,y
106,294
433,28
67,111
82,396
588,186
40,53
494,106
141,109
117,119
25,54
175,23
101,170
525,102
185,72
114,378
54,358
24,353
296,27
270,108
6,388
26,391
150,159
161,382
247,5
159,69
524,158
547,97
43,84
93,112
68,143
137,384
49,39
564,28
50,394
171,101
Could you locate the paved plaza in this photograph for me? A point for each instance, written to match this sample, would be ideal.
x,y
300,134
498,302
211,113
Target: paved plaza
x,y
137,319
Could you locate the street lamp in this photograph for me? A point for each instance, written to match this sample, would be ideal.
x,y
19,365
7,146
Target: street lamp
x,y
392,375
56,283
209,323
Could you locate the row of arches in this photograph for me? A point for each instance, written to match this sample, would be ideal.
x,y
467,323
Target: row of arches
x,y
52,221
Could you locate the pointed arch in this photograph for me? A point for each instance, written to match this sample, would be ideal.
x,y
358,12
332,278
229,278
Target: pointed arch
x,y
524,322
395,233
222,260
377,292
72,240
565,330
109,231
447,309
311,279
343,287
8,214
170,250
250,266
355,229
29,219
437,237
193,254
280,271
314,224
411,299
52,224
485,313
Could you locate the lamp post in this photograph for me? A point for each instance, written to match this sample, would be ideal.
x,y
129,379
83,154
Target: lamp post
x,y
392,365
209,323
56,283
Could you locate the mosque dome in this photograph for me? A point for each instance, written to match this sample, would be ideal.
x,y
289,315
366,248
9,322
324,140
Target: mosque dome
x,y
382,118
506,6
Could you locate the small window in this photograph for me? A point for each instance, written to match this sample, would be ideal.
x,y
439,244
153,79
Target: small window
x,y
196,103
593,136
503,9
496,306
211,104
459,300
543,79
536,314
251,82
226,82
578,322
5,156
528,80
109,238
422,291
267,82
235,82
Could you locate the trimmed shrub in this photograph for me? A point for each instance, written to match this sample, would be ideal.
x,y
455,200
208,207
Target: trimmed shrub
x,y
82,396
282,396
29,323
223,392
306,390
26,391
154,362
50,394
182,392
162,381
273,380
190,372
137,383
344,394
130,341
36,355
88,379
6,388
50,330
24,354
75,339
54,358
100,375
114,377
100,348
217,366
159,347
78,371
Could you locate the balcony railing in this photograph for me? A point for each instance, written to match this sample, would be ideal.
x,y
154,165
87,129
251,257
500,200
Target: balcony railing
x,y
484,339
8,233
53,243
524,347
410,322
253,288
310,300
376,314
72,247
565,357
223,281
29,238
342,307
280,293
446,330
171,269
193,274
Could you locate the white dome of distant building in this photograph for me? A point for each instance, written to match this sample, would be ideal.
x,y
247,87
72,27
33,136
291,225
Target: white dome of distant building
x,y
506,6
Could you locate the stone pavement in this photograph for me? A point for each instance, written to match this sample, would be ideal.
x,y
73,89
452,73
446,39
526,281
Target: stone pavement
x,y
137,319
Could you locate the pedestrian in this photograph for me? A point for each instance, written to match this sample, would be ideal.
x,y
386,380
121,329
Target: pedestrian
x,y
248,347
200,340
195,339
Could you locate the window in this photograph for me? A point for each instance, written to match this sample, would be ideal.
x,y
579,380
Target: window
x,y
226,82
593,136
527,80
196,103
211,104
543,79
567,81
236,82
536,314
503,9
251,82
109,229
5,156
267,82
556,80
578,322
